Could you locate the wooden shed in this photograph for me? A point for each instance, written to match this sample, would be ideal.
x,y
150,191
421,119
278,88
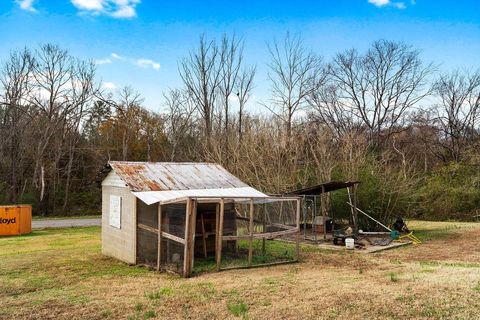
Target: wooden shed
x,y
166,215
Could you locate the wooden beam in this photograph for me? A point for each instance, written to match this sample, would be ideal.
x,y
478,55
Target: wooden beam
x,y
173,238
261,265
188,212
147,228
250,240
355,214
298,230
323,206
192,233
159,237
264,227
189,238
218,248
267,235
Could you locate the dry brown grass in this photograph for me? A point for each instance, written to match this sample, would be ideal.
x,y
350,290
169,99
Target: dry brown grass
x,y
60,274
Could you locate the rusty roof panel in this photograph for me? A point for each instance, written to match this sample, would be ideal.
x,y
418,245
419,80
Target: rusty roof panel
x,y
166,176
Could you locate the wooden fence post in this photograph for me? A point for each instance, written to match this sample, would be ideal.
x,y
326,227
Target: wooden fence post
x,y
298,230
250,240
159,236
219,232
189,238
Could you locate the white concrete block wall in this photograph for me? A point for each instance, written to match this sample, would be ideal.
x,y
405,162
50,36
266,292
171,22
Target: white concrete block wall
x,y
119,243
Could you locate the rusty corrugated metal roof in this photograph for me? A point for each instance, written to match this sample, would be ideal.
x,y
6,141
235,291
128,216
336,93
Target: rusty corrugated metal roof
x,y
168,176
323,187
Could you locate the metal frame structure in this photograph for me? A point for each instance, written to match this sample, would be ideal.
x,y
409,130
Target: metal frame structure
x,y
320,192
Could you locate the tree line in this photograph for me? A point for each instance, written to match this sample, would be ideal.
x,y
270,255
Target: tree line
x,y
405,128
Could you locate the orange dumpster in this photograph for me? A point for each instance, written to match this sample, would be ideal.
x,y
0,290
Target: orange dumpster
x,y
15,220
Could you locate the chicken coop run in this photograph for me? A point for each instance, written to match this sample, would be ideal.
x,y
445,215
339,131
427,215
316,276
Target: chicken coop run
x,y
194,217
318,222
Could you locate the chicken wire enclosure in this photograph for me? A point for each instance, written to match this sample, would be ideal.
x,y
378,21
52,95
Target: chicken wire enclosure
x,y
326,208
260,232
214,234
163,250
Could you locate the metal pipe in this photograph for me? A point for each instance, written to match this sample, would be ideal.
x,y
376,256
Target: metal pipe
x,y
370,217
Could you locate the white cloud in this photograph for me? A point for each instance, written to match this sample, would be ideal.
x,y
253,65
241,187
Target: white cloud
x,y
379,3
145,63
124,12
114,8
26,5
384,3
109,85
94,5
116,56
139,62
103,61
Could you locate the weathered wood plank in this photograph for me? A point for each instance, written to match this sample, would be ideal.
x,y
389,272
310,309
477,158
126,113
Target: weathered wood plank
x,y
297,240
218,249
187,246
147,228
250,239
267,235
173,238
159,237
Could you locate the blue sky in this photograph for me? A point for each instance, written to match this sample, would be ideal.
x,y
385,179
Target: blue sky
x,y
138,42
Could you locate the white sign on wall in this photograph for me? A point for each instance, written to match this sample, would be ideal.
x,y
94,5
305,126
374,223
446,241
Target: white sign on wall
x,y
115,211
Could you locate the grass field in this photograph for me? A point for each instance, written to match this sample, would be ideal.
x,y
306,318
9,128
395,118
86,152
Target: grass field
x,y
61,274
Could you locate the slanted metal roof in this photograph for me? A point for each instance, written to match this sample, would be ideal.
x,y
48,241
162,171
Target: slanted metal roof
x,y
238,194
323,187
167,182
169,176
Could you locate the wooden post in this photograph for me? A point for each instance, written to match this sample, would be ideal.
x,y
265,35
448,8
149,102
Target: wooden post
x,y
298,232
355,213
264,227
322,200
218,249
250,240
159,246
189,238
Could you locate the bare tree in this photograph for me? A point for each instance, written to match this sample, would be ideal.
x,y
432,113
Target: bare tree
x,y
327,108
382,85
59,89
244,88
201,76
231,58
125,103
14,78
82,94
293,75
179,118
458,110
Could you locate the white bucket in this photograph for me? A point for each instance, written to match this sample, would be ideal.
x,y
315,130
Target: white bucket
x,y
350,243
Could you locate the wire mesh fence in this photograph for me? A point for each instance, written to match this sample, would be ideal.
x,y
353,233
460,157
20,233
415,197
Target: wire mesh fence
x,y
254,233
248,233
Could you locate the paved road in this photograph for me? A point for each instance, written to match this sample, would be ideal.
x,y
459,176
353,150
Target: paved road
x,y
65,223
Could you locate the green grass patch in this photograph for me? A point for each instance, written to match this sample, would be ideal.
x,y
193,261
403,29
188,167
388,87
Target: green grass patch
x,y
163,292
275,251
149,314
237,308
477,287
393,277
